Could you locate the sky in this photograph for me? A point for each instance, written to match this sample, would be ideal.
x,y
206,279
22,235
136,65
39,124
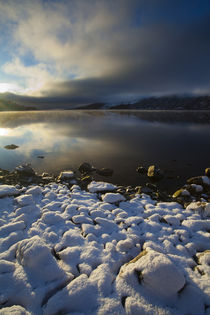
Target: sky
x,y
104,50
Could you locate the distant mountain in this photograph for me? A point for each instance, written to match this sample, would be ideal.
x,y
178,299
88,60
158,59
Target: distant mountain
x,y
7,105
169,103
9,101
93,106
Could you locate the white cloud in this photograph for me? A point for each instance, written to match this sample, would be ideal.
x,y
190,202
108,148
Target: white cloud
x,y
33,76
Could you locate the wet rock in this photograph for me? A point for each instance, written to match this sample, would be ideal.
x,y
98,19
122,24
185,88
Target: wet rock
x,y
144,190
45,174
195,180
105,171
25,170
162,196
151,186
181,192
66,175
86,179
207,171
194,189
11,146
154,174
141,170
86,168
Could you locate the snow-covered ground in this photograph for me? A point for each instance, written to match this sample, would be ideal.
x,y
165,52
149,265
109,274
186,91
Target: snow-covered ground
x,y
75,252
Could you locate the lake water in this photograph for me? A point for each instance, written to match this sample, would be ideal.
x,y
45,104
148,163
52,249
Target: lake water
x,y
177,142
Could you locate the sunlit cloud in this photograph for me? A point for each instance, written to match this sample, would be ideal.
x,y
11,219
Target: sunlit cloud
x,y
104,49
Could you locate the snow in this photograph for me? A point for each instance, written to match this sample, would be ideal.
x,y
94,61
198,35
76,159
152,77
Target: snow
x,y
7,190
67,175
77,252
112,198
100,186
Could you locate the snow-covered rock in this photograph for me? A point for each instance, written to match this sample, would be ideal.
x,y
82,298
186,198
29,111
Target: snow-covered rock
x,y
8,190
112,198
66,175
100,187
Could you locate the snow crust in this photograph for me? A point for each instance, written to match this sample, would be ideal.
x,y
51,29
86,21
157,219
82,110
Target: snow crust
x,y
75,252
100,186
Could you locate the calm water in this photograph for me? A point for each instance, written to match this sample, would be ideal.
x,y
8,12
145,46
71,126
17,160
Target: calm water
x,y
178,142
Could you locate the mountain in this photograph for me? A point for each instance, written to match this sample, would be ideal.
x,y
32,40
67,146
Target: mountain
x,y
9,101
169,103
8,105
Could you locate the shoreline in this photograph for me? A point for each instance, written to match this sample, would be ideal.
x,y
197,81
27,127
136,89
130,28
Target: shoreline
x,y
195,189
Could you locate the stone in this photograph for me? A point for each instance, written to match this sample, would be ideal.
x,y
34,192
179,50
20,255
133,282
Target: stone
x,y
207,171
144,190
66,175
11,146
105,171
151,186
181,192
86,168
25,169
141,170
195,180
154,174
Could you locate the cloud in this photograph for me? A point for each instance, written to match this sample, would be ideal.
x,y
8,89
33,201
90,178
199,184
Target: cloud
x,y
92,50
34,76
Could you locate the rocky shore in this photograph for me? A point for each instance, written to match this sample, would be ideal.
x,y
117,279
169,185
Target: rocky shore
x,y
195,189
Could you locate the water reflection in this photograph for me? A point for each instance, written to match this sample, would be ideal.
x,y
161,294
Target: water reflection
x,y
177,141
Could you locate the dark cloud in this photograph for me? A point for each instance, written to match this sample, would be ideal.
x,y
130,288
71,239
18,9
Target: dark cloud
x,y
87,51
160,59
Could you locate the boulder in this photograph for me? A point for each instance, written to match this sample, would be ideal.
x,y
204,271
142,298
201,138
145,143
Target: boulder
x,y
66,175
207,171
86,168
154,174
195,180
25,169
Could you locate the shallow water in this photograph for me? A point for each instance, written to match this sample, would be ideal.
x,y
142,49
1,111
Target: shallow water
x,y
177,142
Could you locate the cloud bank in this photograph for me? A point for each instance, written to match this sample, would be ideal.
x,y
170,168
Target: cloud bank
x,y
106,50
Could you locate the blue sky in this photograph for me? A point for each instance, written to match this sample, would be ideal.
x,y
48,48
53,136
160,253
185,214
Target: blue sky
x,y
90,50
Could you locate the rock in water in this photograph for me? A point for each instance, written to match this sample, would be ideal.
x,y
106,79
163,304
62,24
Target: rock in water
x,y
141,170
11,146
207,171
86,168
105,172
25,169
154,173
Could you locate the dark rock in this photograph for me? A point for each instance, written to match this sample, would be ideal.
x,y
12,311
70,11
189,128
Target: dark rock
x,y
86,179
105,171
45,174
25,170
144,190
141,170
195,180
154,174
207,171
163,196
151,186
40,157
11,146
86,168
